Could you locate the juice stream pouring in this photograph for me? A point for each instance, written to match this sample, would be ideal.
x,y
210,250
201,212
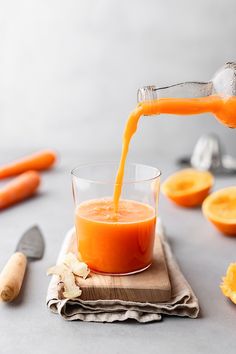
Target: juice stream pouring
x,y
217,96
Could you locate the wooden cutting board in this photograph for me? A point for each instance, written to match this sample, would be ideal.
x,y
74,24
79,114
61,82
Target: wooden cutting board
x,y
151,285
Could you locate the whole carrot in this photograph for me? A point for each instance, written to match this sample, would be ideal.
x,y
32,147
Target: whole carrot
x,y
41,160
19,188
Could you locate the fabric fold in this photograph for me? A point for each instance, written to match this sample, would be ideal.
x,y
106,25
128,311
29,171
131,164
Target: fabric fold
x,y
183,301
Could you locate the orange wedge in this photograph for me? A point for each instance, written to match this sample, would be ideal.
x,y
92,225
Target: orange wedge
x,y
188,187
228,285
220,209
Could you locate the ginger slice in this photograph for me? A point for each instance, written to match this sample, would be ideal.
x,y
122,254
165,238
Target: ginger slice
x,y
67,271
71,290
78,268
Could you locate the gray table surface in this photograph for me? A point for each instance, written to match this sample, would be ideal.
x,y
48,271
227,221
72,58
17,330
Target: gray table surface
x,y
27,326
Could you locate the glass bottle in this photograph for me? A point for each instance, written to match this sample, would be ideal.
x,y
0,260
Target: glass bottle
x,y
217,96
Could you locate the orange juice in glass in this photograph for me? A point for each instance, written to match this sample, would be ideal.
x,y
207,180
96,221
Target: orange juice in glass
x,y
116,241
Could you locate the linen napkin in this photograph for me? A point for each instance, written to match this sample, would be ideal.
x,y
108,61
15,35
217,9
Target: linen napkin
x,y
183,301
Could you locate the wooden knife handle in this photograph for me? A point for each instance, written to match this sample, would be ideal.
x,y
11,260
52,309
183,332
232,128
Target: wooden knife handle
x,y
12,276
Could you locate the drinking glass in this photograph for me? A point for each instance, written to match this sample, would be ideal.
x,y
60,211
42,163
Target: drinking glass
x,y
121,243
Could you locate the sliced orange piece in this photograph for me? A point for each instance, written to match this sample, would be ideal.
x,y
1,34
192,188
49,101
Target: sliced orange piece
x,y
220,209
188,187
228,285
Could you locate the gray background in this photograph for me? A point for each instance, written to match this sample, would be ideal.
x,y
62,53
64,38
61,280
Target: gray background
x,y
69,70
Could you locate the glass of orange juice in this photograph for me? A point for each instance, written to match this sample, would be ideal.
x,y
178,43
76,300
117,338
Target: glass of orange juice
x,y
116,242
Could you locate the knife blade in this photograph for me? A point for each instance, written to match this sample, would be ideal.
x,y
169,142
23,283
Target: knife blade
x,y
31,243
30,246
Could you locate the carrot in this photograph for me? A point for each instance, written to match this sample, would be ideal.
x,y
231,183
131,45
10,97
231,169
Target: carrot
x,y
19,188
41,160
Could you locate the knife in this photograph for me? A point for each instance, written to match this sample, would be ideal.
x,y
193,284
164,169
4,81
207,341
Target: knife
x,y
30,247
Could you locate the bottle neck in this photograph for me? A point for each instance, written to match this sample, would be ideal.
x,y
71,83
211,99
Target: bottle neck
x,y
182,90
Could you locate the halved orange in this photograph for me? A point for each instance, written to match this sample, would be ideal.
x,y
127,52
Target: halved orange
x,y
228,285
188,187
220,209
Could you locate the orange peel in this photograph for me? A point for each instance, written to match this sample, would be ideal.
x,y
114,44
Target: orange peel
x,y
188,187
220,209
228,285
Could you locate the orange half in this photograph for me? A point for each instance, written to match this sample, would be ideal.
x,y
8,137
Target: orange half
x,y
188,187
220,209
228,285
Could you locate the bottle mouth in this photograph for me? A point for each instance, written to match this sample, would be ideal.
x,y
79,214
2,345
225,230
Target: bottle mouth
x,y
147,93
